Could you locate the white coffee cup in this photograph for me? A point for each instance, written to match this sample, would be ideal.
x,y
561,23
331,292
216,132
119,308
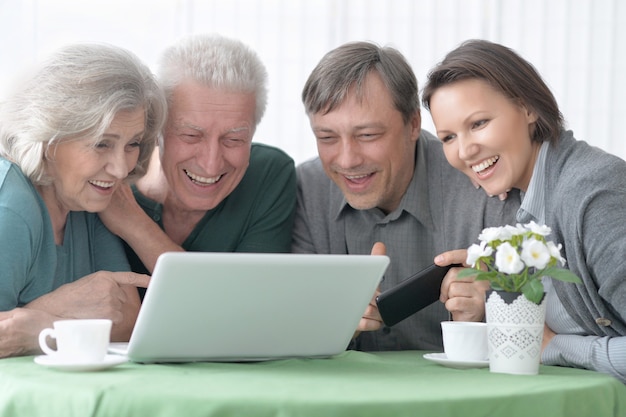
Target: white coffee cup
x,y
465,340
78,341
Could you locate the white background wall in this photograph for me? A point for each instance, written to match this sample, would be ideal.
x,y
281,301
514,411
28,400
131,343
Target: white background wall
x,y
578,45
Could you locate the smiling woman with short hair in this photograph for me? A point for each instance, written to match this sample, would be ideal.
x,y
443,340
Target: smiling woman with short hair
x,y
82,124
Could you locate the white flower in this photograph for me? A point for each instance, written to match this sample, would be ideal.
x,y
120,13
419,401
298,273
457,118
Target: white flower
x,y
555,252
516,230
541,230
508,260
477,251
516,258
535,253
490,234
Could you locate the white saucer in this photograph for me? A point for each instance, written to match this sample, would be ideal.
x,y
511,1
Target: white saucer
x,y
442,359
109,361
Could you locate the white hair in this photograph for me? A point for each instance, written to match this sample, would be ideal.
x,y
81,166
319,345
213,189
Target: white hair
x,y
215,61
76,93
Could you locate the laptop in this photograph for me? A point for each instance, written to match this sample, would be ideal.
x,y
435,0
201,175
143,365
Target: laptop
x,y
238,307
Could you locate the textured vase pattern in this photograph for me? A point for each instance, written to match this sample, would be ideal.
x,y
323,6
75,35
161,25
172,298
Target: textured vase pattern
x,y
515,332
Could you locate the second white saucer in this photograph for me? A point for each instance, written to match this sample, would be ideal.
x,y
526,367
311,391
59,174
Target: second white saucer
x,y
442,359
108,362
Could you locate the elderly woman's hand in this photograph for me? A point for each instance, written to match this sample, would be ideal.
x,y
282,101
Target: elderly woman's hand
x,y
19,331
103,294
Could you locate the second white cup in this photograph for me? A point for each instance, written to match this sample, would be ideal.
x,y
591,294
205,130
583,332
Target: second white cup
x,y
78,341
465,340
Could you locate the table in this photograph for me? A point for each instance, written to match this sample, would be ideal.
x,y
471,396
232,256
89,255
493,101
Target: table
x,y
350,384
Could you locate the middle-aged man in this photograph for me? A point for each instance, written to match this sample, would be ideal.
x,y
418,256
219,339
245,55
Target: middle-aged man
x,y
380,178
208,187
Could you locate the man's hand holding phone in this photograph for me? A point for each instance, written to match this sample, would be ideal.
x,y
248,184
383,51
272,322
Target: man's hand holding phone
x,y
465,299
412,294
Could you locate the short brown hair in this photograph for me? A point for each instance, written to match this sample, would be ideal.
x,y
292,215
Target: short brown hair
x,y
349,65
505,71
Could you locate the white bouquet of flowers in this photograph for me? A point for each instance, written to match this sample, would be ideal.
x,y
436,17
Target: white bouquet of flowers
x,y
515,258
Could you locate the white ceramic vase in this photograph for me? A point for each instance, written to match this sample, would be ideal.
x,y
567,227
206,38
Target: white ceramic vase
x,y
515,332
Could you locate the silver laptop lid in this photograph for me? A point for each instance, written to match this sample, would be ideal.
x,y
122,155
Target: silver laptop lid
x,y
247,307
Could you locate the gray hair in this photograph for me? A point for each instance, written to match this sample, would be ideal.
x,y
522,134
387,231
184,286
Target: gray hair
x,y
74,94
215,61
348,65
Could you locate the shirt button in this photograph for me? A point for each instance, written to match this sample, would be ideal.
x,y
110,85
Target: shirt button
x,y
601,321
156,217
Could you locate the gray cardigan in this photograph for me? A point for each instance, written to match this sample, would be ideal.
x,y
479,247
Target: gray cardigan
x,y
586,209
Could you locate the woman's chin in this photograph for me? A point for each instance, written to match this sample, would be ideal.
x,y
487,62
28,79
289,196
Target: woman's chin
x,y
492,192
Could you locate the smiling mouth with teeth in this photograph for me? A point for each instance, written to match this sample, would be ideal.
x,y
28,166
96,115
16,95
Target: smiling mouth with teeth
x,y
485,164
356,177
202,180
102,184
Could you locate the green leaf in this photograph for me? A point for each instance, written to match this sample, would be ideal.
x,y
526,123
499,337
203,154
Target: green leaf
x,y
561,274
467,272
477,274
533,290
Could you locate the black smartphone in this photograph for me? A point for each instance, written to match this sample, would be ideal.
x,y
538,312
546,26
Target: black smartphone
x,y
412,294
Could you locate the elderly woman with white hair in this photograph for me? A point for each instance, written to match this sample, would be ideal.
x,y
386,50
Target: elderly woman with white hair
x,y
76,129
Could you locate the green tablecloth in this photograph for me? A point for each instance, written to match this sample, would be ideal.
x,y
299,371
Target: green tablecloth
x,y
351,384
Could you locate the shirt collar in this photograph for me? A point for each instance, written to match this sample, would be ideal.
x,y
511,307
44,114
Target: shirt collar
x,y
533,203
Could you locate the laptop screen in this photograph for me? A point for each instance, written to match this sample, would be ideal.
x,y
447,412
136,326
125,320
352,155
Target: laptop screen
x,y
248,307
